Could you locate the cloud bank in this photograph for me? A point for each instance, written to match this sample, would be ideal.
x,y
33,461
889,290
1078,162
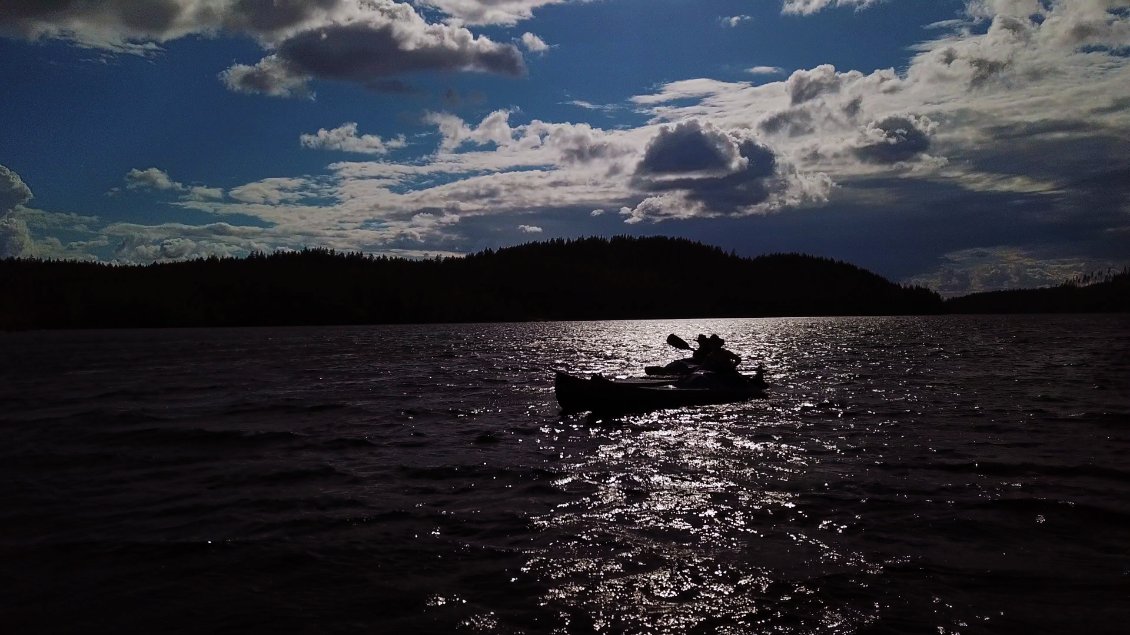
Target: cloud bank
x,y
1020,104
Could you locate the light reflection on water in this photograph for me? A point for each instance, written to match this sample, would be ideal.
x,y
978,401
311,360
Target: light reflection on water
x,y
905,475
769,516
685,521
690,527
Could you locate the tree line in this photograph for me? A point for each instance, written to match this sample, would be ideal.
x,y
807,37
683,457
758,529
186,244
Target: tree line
x,y
1104,292
579,279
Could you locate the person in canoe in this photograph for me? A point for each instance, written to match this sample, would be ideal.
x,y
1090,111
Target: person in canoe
x,y
712,355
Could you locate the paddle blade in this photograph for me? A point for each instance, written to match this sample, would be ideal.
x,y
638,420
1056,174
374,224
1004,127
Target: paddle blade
x,y
677,342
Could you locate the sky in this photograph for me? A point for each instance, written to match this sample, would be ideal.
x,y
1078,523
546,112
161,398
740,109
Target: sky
x,y
964,145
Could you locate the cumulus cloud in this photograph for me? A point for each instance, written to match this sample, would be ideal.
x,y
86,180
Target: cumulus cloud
x,y
735,20
22,228
150,178
15,240
363,42
996,92
269,76
529,229
533,43
346,139
765,70
132,243
13,190
794,122
895,139
495,128
578,144
690,149
159,180
806,85
392,42
695,169
533,144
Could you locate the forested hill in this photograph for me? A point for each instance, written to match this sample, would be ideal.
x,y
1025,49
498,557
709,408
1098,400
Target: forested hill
x,y
583,279
1109,293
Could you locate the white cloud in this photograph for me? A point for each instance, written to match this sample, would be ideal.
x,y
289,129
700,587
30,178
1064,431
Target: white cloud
x,y
13,191
346,139
809,7
998,102
151,178
201,193
269,76
20,225
735,20
529,229
495,128
15,240
798,142
159,180
588,105
503,12
689,89
533,43
765,70
274,191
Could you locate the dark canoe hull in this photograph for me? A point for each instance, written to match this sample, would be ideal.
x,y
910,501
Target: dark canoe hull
x,y
600,395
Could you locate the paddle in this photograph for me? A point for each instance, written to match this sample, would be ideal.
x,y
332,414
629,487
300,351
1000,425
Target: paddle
x,y
678,342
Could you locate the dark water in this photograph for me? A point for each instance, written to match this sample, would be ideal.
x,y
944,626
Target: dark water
x,y
939,475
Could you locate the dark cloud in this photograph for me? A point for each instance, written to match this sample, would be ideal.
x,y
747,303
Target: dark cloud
x,y
362,51
394,86
581,144
1058,158
792,122
742,189
724,173
1032,129
264,17
985,70
689,147
895,139
1116,105
110,22
363,42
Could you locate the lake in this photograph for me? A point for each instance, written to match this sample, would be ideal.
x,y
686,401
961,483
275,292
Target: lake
x,y
952,474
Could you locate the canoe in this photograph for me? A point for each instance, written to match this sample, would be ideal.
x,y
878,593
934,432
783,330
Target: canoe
x,y
599,394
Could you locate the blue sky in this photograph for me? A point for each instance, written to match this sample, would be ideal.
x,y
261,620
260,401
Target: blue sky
x,y
964,145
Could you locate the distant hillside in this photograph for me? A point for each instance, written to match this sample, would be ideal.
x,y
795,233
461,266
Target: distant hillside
x,y
583,279
1110,294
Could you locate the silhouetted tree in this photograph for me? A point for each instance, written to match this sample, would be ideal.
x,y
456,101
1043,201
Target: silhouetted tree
x,y
580,279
